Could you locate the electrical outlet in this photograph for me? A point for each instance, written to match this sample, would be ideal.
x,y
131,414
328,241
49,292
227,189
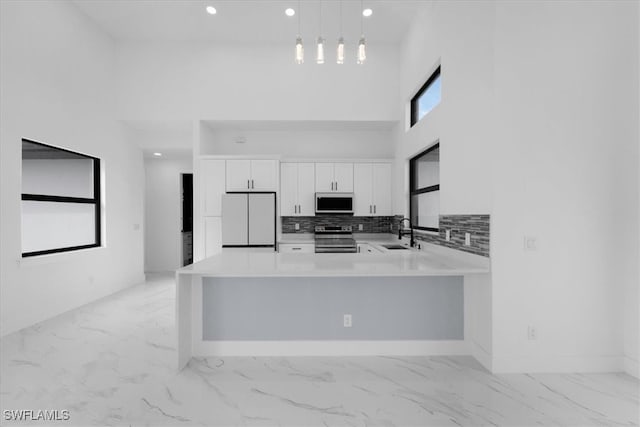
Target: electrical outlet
x,y
467,239
360,228
447,235
347,321
532,334
297,226
530,243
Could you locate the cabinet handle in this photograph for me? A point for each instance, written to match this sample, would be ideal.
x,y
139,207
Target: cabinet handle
x,y
296,249
336,185
252,187
332,186
374,208
299,209
248,184
369,208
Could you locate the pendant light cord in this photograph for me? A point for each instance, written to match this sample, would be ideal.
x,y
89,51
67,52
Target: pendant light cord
x,y
361,17
340,18
299,16
320,35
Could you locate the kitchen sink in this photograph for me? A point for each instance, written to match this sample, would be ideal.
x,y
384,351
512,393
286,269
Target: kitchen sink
x,y
393,247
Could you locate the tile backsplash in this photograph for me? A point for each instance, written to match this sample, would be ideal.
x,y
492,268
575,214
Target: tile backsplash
x,y
370,224
476,225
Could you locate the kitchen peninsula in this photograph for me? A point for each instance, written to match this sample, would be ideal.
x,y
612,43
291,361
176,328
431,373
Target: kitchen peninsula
x,y
269,303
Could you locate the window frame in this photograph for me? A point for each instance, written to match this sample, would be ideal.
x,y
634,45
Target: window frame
x,y
414,101
95,200
413,191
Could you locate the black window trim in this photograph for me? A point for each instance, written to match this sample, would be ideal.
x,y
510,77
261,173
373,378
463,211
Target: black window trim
x,y
416,97
413,191
95,200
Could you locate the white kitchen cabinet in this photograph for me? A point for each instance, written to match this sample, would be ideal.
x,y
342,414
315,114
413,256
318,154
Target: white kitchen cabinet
x,y
288,189
298,248
212,235
372,189
297,189
212,184
334,177
381,191
264,175
238,175
252,175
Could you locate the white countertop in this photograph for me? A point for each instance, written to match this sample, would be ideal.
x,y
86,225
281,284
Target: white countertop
x,y
430,261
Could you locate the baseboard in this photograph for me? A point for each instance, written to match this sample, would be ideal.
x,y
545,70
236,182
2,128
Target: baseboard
x,y
557,364
330,348
631,366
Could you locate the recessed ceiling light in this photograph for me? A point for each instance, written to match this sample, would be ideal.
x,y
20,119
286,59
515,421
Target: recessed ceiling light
x,y
290,12
367,12
211,10
157,154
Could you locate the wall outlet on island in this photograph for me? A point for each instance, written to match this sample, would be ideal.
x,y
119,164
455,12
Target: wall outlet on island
x,y
347,321
447,235
532,334
530,243
297,226
467,239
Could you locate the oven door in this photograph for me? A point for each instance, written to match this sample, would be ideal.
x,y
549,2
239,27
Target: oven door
x,y
334,203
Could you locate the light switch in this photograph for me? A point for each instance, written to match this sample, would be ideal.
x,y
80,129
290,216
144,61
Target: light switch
x,y
297,226
467,239
359,227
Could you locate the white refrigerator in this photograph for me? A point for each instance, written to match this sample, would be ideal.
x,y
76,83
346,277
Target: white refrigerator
x,y
248,220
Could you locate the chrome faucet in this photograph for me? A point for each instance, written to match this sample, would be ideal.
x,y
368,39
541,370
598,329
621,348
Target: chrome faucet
x,y
412,242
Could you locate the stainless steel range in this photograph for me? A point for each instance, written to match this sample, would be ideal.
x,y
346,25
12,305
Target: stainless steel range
x,y
334,239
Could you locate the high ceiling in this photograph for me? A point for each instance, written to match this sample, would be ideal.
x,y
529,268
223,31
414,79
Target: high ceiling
x,y
249,21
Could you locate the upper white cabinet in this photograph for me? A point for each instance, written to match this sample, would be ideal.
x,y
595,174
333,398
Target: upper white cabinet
x,y
372,189
212,182
334,177
252,175
297,189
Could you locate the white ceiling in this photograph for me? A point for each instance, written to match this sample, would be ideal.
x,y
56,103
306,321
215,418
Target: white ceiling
x,y
248,21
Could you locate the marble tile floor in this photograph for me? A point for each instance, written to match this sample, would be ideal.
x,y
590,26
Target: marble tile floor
x,y
112,363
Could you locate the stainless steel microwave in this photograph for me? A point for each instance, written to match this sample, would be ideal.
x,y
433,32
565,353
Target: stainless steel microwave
x,y
334,203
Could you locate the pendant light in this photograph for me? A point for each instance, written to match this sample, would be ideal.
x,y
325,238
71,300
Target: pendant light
x,y
299,45
340,51
362,53
320,47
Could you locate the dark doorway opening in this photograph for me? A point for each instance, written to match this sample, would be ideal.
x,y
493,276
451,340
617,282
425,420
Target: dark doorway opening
x,y
187,218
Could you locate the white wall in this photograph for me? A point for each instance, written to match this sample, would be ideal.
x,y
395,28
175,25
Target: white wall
x,y
538,126
162,212
57,84
632,291
259,82
459,37
329,144
566,85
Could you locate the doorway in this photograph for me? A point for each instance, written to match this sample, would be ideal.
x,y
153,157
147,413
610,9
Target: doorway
x,y
186,217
